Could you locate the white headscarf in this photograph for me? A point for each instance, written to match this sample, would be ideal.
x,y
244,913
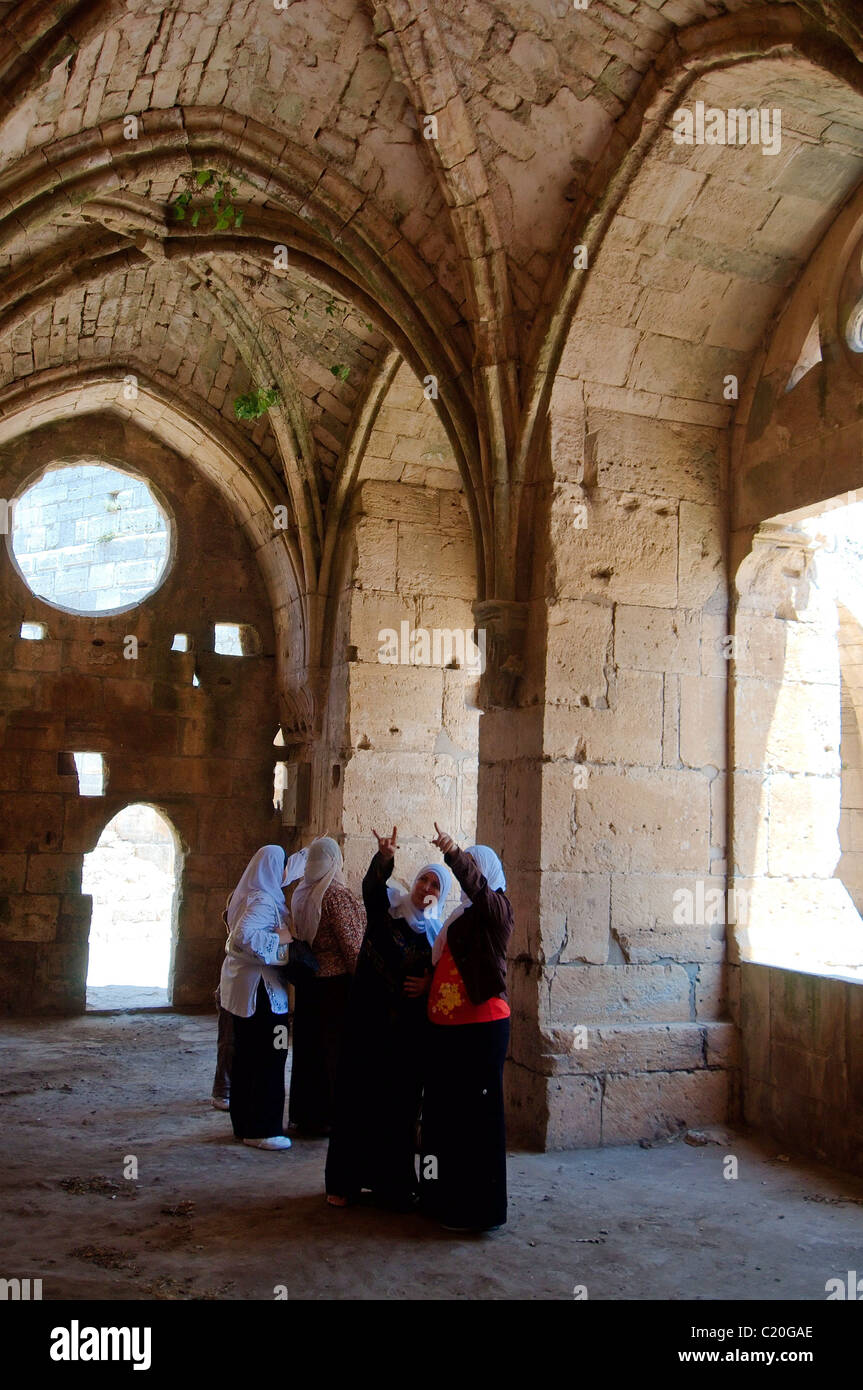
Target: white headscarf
x,y
492,870
422,919
295,867
323,867
263,874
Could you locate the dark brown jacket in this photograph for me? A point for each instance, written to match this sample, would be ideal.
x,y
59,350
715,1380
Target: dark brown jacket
x,y
478,939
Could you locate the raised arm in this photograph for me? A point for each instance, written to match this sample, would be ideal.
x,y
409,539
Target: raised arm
x,y
494,910
375,894
494,907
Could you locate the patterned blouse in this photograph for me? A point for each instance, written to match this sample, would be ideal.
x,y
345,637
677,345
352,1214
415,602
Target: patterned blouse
x,y
340,934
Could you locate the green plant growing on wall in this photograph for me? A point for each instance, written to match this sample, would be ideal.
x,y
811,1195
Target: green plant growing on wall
x,y
256,403
217,203
341,371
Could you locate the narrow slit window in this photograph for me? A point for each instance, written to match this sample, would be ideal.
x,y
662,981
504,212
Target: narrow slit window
x,y
280,781
91,773
34,632
195,680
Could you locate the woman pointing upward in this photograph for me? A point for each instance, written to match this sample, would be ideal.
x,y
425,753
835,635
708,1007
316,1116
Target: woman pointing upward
x,y
463,1169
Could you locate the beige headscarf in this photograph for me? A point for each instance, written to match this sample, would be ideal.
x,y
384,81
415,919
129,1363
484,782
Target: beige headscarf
x,y
323,867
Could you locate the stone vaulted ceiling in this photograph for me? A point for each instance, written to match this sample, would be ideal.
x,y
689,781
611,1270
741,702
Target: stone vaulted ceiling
x,y
449,256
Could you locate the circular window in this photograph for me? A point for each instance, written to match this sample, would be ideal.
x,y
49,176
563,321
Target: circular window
x,y
90,539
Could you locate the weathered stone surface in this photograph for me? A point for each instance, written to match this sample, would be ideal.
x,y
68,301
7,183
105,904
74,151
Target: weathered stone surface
x,y
641,568
633,1047
585,994
656,639
575,917
786,727
703,721
653,1105
626,821
804,818
574,1113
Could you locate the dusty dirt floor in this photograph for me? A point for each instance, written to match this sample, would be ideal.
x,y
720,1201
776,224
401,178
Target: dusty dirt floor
x,y
210,1219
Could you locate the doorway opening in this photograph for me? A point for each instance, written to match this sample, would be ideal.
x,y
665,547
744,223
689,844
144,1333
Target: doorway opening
x,y
133,876
798,717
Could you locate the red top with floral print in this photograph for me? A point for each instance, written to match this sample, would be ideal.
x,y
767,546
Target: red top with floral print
x,y
448,998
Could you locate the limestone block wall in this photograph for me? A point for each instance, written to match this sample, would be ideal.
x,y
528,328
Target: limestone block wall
x,y
624,1024
411,723
802,1062
202,755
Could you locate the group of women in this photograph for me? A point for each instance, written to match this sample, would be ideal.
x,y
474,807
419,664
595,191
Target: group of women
x,y
400,1025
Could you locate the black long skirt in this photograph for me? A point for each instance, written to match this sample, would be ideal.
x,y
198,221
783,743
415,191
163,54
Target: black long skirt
x,y
320,1009
373,1141
258,1073
463,1163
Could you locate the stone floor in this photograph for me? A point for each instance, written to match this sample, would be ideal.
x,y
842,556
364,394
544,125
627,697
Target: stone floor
x,y
107,998
208,1218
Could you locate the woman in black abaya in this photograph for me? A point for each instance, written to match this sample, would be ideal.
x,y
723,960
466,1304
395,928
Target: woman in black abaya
x,y
381,1071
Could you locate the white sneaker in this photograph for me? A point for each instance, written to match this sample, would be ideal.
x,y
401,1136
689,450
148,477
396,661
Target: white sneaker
x,y
278,1141
218,1103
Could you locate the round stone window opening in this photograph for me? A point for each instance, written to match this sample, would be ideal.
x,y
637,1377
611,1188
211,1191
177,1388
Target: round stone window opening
x,y
90,538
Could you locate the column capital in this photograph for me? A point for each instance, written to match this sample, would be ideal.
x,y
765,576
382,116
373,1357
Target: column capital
x,y
504,623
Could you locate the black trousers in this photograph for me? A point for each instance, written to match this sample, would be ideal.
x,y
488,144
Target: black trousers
x,y
463,1162
224,1056
258,1077
320,1011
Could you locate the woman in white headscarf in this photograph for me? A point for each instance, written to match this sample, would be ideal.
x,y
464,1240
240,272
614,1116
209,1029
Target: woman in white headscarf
x,y
221,1093
463,1132
329,919
251,989
381,1074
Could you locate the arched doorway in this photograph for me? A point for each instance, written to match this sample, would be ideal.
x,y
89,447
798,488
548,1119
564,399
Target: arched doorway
x,y
132,875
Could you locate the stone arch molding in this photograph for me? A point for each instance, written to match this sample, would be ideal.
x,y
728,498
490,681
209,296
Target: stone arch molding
x,y
797,435
65,396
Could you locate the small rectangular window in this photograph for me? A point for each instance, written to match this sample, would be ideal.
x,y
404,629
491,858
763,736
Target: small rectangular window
x,y
180,642
34,632
91,773
236,639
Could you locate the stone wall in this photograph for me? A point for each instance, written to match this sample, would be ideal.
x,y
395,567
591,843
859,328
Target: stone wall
x,y
625,1007
410,741
802,1062
203,755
